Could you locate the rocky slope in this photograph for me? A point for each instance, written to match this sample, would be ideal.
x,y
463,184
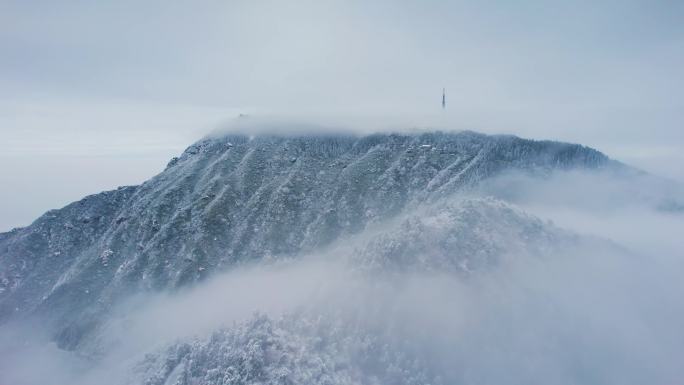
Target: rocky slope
x,y
363,330
235,199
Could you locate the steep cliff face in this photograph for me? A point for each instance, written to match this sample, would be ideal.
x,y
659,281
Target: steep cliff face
x,y
234,199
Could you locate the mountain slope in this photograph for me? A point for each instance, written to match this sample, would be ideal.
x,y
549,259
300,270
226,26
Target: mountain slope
x,y
359,324
462,236
233,199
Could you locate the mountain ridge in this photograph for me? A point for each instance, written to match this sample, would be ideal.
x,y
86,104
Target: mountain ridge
x,y
234,198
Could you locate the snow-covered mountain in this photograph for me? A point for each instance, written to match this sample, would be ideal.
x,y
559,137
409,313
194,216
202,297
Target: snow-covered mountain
x,y
461,236
358,329
234,199
291,350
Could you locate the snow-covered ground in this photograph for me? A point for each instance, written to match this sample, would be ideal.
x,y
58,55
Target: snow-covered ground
x,y
336,259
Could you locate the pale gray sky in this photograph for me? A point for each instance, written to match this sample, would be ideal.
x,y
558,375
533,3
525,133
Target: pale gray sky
x,y
99,94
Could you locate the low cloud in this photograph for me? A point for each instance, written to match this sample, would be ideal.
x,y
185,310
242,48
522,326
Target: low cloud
x,y
589,314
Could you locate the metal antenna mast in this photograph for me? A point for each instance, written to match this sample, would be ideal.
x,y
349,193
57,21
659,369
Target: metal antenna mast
x,y
443,98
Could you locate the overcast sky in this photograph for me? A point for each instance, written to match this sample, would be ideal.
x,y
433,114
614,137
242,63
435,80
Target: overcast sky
x,y
99,94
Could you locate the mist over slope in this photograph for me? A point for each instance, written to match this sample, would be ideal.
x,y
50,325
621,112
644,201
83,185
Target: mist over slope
x,y
234,199
340,242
